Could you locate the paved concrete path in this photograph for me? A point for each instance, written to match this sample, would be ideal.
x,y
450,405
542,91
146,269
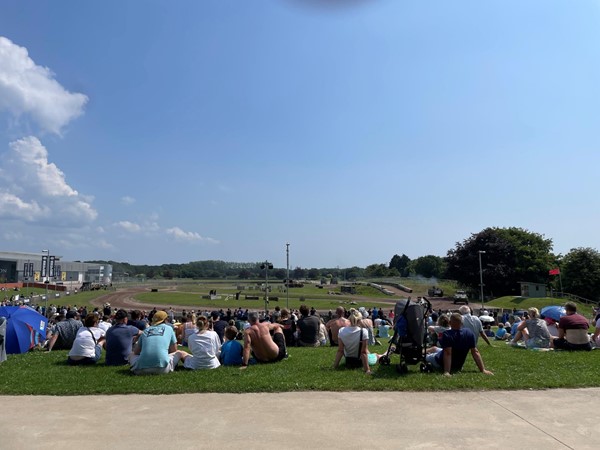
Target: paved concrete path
x,y
552,419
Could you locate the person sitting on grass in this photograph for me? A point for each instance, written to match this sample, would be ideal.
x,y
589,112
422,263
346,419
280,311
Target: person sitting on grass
x,y
501,334
456,344
87,346
334,325
572,330
308,328
258,340
156,349
288,324
232,351
533,331
64,332
119,340
353,345
205,346
436,331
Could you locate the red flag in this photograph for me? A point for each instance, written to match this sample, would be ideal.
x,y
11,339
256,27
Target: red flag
x,y
554,271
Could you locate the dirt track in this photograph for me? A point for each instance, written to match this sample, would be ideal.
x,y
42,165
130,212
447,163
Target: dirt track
x,y
124,298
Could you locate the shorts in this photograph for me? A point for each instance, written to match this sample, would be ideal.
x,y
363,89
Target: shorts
x,y
88,360
279,340
170,367
431,359
562,344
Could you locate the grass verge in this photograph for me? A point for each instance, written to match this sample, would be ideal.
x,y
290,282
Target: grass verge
x,y
42,373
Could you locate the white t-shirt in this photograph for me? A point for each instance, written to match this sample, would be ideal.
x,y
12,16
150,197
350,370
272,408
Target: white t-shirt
x,y
350,338
84,344
104,326
205,348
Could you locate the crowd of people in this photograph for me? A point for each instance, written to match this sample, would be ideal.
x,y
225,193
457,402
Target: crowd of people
x,y
152,343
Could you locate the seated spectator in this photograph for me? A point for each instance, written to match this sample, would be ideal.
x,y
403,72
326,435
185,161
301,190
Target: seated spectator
x,y
367,324
64,332
218,324
136,320
258,340
288,324
186,329
456,344
308,328
552,326
105,323
119,340
533,331
353,345
572,330
334,325
232,350
501,333
156,349
322,333
384,329
87,346
205,346
436,331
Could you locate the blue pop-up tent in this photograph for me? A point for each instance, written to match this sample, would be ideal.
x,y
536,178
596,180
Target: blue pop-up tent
x,y
24,327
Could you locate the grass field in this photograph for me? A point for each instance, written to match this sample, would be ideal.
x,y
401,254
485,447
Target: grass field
x,y
42,373
190,295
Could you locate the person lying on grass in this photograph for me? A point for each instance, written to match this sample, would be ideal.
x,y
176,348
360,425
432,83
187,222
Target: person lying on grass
x,y
258,340
456,343
353,345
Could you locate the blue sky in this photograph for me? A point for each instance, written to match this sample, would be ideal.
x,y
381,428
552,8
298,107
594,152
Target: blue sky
x,y
166,132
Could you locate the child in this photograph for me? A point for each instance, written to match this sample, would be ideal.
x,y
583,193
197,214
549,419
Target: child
x,y
501,334
231,351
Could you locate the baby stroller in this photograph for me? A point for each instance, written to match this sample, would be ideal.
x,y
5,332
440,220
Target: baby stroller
x,y
410,335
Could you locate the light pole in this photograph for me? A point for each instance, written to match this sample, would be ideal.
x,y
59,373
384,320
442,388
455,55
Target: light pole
x,y
481,276
266,266
45,268
287,288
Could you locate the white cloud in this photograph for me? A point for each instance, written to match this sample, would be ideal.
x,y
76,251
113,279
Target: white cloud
x,y
33,189
29,89
127,200
129,226
189,236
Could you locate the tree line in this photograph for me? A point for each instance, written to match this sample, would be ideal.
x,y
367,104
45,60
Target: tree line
x,y
508,256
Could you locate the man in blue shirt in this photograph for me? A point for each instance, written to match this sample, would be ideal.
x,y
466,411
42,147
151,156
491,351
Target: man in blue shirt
x,y
456,343
156,350
119,340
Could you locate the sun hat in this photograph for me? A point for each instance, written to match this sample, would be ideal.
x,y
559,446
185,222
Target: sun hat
x,y
159,317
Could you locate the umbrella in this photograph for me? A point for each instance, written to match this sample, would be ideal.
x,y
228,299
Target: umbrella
x,y
554,312
23,325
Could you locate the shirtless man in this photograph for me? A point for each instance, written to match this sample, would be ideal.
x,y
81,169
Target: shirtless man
x,y
257,338
334,325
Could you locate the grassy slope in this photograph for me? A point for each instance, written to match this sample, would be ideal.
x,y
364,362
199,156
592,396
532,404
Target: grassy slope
x,y
523,303
306,369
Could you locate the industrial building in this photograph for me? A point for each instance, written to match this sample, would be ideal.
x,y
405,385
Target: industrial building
x,y
33,268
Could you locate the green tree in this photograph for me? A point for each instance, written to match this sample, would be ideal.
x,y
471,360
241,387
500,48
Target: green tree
x,y
400,263
376,270
429,266
511,255
314,274
580,271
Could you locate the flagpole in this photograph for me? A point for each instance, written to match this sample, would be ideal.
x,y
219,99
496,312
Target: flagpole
x,y
560,279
